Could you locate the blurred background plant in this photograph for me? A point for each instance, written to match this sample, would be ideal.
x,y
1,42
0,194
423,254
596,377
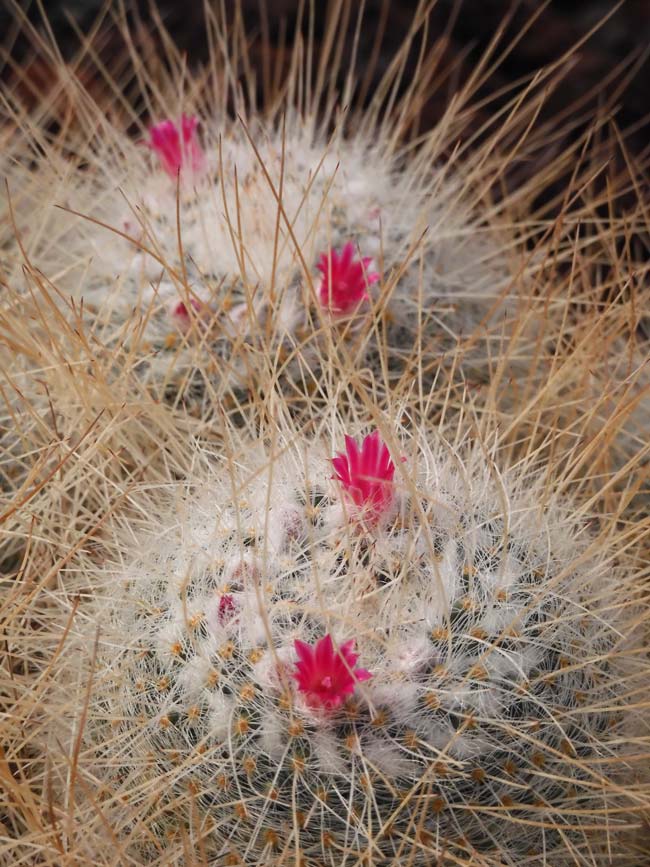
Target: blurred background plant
x,y
606,74
467,29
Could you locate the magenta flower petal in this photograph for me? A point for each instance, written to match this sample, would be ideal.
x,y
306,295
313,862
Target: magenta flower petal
x,y
366,475
326,675
303,650
177,145
345,281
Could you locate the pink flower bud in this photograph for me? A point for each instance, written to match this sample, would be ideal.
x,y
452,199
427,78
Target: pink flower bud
x,y
345,280
366,475
181,315
177,145
227,608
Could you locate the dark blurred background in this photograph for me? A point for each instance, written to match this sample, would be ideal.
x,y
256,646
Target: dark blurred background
x,y
473,24
468,28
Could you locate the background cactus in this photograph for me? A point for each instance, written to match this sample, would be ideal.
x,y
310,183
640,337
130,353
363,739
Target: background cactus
x,y
296,179
503,672
241,256
469,290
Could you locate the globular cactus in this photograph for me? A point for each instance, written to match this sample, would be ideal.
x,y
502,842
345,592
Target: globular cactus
x,y
244,247
420,661
199,260
191,241
388,658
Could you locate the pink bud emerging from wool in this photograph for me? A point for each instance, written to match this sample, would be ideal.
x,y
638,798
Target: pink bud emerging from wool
x,y
177,145
181,315
227,608
326,675
345,280
366,475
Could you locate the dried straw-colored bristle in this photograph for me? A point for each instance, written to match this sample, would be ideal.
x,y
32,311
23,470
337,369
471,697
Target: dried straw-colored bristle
x,y
496,320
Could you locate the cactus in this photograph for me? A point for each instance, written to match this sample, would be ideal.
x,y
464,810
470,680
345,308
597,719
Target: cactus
x,y
211,293
251,270
390,656
411,660
229,221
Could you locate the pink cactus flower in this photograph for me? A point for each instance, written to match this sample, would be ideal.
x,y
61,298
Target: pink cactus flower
x,y
326,675
181,315
177,145
366,475
227,608
345,280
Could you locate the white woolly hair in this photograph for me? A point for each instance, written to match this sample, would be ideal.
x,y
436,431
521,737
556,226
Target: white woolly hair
x,y
503,720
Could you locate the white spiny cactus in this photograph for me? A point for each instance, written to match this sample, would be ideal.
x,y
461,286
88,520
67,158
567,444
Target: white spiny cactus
x,y
209,289
239,258
496,691
260,655
206,287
